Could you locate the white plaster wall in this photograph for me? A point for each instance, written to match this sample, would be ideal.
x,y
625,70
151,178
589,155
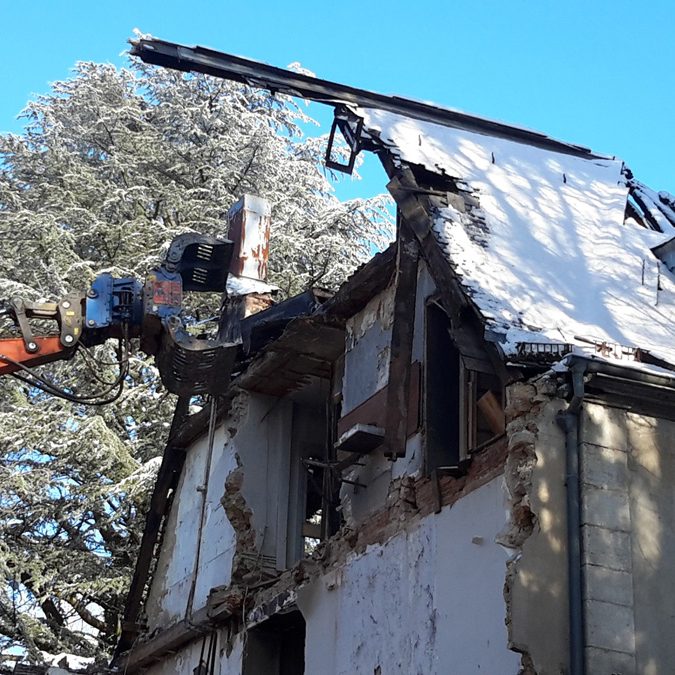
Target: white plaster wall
x,y
412,463
428,602
170,590
359,502
538,583
182,542
171,583
218,536
261,443
231,663
184,661
376,473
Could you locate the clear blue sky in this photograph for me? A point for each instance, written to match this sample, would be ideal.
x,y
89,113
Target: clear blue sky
x,y
599,73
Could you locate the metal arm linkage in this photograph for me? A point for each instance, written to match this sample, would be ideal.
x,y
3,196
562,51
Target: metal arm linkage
x,y
126,308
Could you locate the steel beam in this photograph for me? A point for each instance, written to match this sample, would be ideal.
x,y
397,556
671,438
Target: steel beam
x,y
256,74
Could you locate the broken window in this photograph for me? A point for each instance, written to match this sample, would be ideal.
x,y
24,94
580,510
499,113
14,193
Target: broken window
x,y
308,458
313,491
462,397
441,393
276,646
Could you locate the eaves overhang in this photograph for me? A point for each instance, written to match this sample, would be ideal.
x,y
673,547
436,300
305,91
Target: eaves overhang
x,y
627,387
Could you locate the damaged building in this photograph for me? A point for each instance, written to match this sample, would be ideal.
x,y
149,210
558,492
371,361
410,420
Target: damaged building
x,y
461,461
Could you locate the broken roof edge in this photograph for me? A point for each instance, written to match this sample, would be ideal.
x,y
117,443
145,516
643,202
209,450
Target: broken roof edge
x,y
370,278
361,285
658,208
279,80
558,356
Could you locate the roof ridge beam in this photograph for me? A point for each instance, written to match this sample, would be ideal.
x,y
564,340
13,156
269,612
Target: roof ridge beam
x,y
257,74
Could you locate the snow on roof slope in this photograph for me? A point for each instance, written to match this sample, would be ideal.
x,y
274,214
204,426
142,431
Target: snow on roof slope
x,y
553,260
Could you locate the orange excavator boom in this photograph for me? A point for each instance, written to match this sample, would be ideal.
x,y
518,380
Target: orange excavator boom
x,y
13,351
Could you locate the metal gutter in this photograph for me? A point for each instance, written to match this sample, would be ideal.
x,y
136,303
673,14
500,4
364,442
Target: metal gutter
x,y
603,367
257,74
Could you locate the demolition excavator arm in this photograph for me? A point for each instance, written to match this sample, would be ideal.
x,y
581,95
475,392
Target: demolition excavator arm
x,y
126,308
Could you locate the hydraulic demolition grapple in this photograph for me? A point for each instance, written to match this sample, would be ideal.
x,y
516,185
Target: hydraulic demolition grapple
x,y
126,308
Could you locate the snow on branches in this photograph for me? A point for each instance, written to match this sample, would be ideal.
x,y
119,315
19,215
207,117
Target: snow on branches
x,y
112,165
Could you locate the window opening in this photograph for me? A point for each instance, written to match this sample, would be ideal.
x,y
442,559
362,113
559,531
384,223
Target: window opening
x,y
442,393
463,400
313,513
276,646
309,462
313,518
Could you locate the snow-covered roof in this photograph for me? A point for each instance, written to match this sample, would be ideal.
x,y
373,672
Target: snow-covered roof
x,y
548,254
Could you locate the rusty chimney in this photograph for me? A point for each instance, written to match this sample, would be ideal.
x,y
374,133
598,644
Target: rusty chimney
x,y
249,222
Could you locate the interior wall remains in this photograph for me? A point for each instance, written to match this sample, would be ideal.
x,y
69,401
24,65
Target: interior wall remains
x,y
453,554
244,495
366,372
173,578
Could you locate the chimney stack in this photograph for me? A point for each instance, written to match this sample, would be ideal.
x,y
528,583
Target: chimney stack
x,y
249,222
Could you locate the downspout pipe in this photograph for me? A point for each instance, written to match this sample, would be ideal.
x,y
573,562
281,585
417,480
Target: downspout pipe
x,y
568,420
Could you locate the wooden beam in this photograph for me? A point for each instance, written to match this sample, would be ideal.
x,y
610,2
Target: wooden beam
x,y
278,80
466,320
407,258
492,411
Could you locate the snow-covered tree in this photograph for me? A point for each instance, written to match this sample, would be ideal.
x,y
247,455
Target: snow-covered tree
x,y
112,164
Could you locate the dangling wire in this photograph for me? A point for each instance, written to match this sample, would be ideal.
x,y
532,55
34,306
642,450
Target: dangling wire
x,y
208,667
101,397
201,655
213,648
